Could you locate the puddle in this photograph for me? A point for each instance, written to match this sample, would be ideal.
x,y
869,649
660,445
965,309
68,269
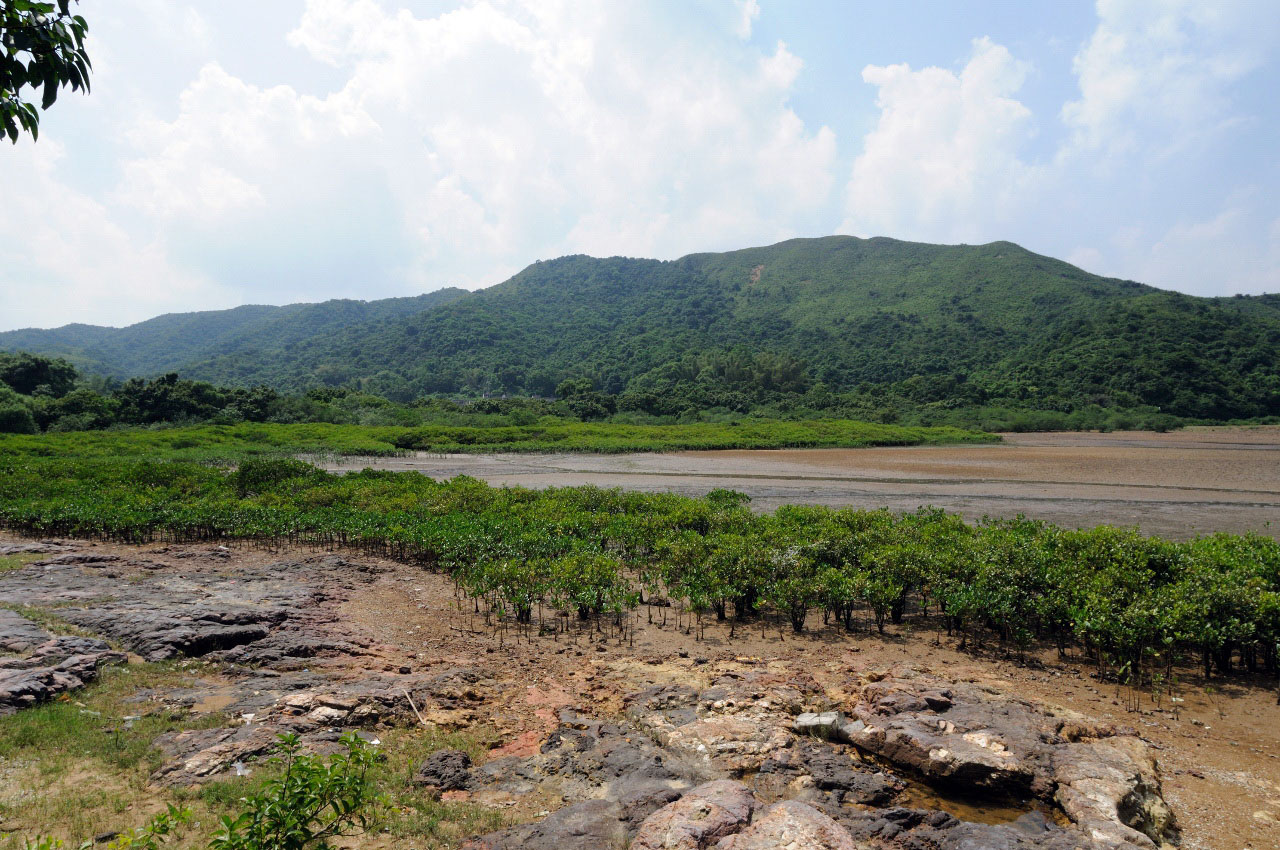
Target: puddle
x,y
971,807
215,701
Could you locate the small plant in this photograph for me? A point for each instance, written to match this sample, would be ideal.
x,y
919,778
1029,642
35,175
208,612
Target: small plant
x,y
312,802
149,837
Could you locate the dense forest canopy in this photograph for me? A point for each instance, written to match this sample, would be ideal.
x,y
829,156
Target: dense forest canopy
x,y
867,327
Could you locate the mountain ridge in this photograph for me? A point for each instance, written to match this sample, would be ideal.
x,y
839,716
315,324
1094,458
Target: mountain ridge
x,y
940,324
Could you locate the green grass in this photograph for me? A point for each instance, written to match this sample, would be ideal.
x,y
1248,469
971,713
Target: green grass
x,y
76,768
45,617
206,442
228,443
17,562
611,437
90,727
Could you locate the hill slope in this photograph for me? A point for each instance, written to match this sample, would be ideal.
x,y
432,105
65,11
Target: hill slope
x,y
945,325
175,340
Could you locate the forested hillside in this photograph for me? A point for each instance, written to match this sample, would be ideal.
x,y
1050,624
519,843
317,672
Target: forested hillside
x,y
176,340
837,321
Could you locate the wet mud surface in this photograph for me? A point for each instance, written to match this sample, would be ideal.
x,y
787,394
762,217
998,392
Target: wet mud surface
x,y
896,741
1175,485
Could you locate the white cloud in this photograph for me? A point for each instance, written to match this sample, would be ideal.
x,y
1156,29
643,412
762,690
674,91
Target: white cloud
x,y
748,11
513,124
362,150
69,258
1236,250
942,163
234,147
460,147
1154,76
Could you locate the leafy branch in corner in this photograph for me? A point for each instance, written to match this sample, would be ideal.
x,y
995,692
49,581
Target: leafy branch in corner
x,y
41,47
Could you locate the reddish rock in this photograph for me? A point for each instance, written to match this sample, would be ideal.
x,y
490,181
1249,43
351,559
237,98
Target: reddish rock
x,y
790,826
698,819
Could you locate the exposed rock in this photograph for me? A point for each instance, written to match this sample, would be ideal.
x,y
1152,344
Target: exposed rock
x,y
829,770
913,829
824,725
588,758
158,634
180,613
51,665
446,770
699,819
90,559
286,667
17,633
791,825
977,738
1111,786
733,726
640,798
42,547
197,755
590,825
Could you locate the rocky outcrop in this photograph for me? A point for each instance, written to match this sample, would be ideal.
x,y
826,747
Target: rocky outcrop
x,y
699,819
47,666
193,756
969,736
91,559
446,770
734,726
736,755
40,547
912,829
826,773
790,824
259,616
18,634
590,825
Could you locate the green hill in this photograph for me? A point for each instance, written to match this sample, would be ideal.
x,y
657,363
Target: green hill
x,y
175,340
934,324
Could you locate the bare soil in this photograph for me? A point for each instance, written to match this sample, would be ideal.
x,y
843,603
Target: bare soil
x,y
1177,485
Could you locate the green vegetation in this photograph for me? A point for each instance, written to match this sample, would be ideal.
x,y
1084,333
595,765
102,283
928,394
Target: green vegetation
x,y
614,437
224,442
174,341
41,47
312,801
92,757
1139,606
881,330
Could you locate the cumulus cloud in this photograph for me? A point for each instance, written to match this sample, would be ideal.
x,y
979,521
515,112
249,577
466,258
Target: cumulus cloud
x,y
75,258
748,11
360,149
453,149
509,122
942,163
1235,250
1155,75
233,144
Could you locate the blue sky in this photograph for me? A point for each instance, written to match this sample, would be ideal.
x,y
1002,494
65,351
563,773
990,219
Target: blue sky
x,y
246,152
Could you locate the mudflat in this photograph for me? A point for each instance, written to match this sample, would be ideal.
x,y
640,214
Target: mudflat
x,y
1177,485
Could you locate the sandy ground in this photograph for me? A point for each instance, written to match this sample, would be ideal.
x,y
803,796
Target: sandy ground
x,y
1176,485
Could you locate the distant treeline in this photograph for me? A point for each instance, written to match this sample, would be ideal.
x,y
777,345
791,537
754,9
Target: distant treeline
x,y
43,394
